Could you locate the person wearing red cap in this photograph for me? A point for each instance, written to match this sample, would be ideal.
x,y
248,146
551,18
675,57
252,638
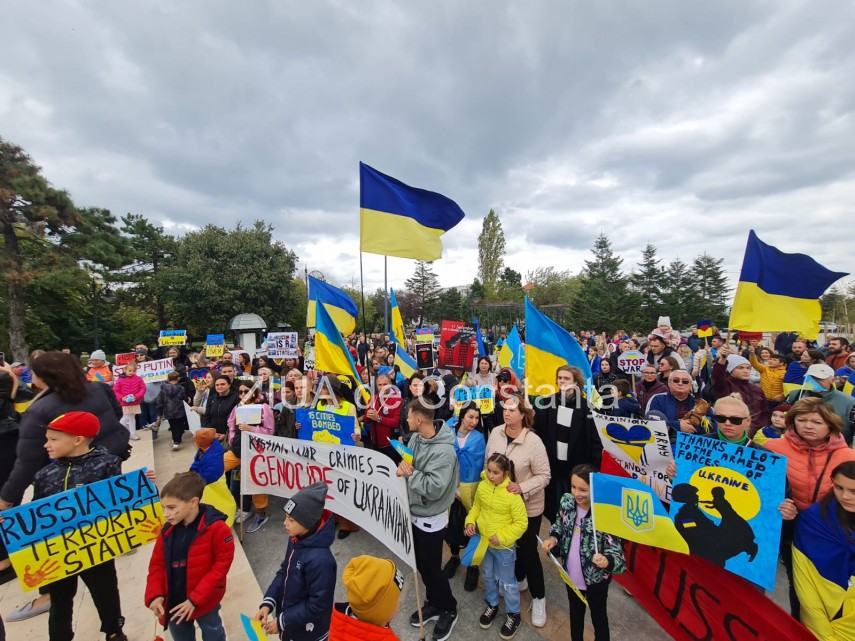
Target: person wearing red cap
x,y
77,463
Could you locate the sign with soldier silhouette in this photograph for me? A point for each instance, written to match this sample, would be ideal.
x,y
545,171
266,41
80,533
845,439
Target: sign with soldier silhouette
x,y
724,503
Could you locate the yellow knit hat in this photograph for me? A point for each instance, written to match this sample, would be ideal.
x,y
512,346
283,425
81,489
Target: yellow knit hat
x,y
373,588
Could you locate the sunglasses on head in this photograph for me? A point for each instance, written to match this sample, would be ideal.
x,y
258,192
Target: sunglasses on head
x,y
736,420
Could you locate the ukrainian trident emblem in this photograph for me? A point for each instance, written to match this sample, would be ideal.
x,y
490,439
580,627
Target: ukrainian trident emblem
x,y
637,509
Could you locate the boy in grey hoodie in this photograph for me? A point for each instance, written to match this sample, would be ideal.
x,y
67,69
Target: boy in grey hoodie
x,y
431,484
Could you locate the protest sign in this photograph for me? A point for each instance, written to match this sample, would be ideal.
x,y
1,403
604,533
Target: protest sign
x,y
425,356
194,421
124,359
362,483
171,337
482,395
424,335
248,414
725,505
282,344
64,534
325,427
632,362
149,371
309,357
640,447
215,345
457,345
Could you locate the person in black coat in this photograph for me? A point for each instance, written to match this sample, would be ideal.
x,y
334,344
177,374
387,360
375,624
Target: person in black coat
x,y
65,389
220,406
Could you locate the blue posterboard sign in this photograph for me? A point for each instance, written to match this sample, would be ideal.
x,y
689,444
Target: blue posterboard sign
x,y
326,427
724,503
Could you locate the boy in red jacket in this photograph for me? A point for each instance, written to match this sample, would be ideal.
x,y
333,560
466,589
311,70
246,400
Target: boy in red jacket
x,y
188,568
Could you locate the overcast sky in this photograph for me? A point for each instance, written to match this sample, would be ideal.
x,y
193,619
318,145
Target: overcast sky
x,y
679,123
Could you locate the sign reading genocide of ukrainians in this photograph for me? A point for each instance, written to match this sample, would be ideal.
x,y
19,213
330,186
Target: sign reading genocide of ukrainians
x,y
171,337
149,371
641,448
326,427
64,534
725,505
362,483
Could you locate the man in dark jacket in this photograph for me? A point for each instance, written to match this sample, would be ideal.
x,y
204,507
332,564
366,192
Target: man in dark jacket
x,y
730,376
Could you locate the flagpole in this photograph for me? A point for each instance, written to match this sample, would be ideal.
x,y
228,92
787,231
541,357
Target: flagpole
x,y
362,291
386,292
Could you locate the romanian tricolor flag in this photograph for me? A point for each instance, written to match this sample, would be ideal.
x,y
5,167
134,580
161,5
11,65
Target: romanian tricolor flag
x,y
548,347
512,353
331,355
778,291
631,510
822,573
398,220
340,306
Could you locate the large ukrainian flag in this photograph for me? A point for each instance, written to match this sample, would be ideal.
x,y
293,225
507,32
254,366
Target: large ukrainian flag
x,y
512,353
331,354
630,509
398,220
549,346
778,291
340,306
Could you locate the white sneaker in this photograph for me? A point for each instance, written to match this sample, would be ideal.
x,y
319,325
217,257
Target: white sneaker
x,y
176,446
538,612
134,437
241,516
523,585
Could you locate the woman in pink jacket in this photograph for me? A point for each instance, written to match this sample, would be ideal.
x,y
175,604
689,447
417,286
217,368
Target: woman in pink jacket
x,y
130,390
266,425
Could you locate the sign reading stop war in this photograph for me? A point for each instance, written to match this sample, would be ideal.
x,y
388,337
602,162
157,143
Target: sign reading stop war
x,y
64,534
362,483
632,362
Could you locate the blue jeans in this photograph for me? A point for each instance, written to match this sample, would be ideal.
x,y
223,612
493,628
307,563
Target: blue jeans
x,y
148,414
211,626
498,567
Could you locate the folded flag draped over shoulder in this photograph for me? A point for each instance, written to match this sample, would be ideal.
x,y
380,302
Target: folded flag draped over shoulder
x,y
340,306
398,220
778,291
512,354
548,347
631,510
331,355
822,569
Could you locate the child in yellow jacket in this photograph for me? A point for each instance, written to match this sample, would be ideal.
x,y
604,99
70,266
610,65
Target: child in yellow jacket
x,y
771,375
499,515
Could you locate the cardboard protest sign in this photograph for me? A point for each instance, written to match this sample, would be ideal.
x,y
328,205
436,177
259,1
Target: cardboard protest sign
x,y
282,344
149,371
248,415
482,395
632,362
124,359
215,345
425,356
62,535
325,427
641,448
171,337
725,505
457,346
362,483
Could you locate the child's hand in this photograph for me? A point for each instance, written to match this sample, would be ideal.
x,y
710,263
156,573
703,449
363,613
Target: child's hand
x,y
156,606
671,470
262,614
243,427
469,530
151,476
272,626
182,611
600,561
495,540
549,543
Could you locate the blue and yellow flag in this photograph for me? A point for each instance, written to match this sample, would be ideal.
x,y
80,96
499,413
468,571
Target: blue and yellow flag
x,y
482,351
778,291
403,451
512,353
340,306
398,333
849,385
331,354
475,551
631,510
398,220
548,347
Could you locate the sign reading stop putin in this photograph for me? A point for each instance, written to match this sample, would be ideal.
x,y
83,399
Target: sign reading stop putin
x,y
632,362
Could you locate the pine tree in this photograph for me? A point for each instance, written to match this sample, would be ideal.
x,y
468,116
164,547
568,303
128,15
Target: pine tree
x,y
424,284
680,300
647,283
710,284
604,301
491,252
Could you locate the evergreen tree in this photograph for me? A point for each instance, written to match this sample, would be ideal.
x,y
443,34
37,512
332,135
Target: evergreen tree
x,y
476,292
710,284
679,299
491,252
605,302
425,285
647,283
449,306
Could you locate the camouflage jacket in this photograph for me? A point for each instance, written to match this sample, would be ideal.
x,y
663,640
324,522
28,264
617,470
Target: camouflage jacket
x,y
609,546
70,473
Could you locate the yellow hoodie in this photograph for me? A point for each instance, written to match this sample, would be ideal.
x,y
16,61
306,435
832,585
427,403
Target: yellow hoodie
x,y
497,511
771,379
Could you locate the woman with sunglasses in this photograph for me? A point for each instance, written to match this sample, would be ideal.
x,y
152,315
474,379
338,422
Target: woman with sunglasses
x,y
677,406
